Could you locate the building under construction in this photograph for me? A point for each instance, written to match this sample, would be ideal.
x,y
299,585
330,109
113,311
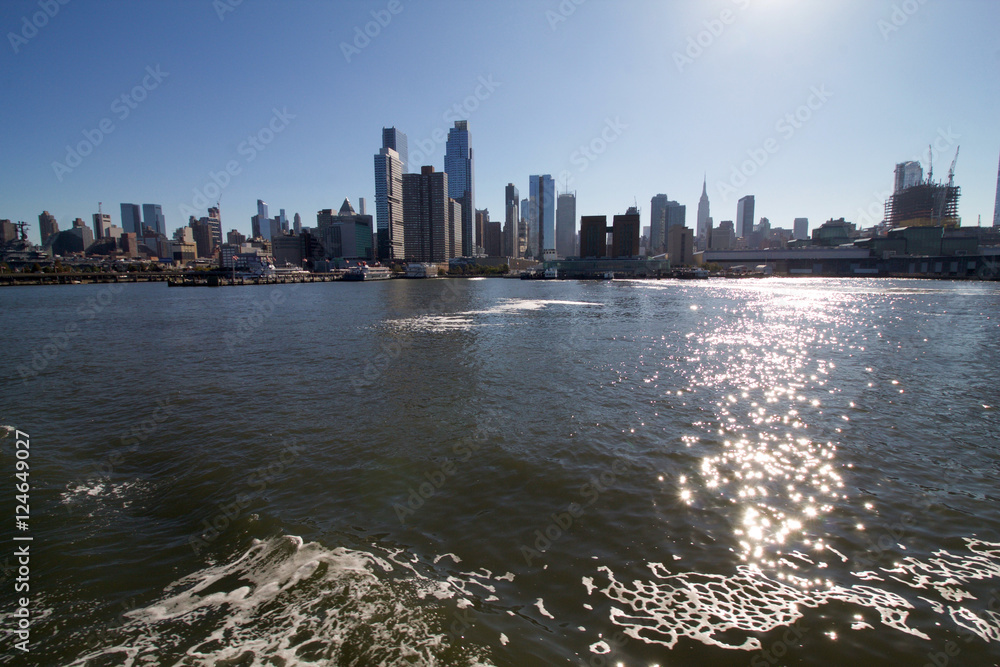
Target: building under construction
x,y
925,203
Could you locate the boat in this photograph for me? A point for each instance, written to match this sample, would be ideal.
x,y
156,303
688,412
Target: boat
x,y
421,270
547,274
361,273
290,271
690,274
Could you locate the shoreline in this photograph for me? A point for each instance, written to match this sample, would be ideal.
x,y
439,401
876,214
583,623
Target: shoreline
x,y
218,280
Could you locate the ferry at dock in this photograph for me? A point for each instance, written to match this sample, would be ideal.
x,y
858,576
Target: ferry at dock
x,y
362,273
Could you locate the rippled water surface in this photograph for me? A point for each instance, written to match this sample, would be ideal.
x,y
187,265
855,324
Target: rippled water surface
x,y
496,472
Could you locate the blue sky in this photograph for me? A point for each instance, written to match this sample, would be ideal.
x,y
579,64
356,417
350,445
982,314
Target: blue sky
x,y
618,100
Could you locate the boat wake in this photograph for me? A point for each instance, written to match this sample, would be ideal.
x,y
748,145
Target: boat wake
x,y
293,603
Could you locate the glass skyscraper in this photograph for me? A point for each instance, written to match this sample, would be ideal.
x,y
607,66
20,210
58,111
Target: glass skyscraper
x,y
512,218
396,140
152,217
264,228
658,224
459,165
131,219
744,217
542,214
566,225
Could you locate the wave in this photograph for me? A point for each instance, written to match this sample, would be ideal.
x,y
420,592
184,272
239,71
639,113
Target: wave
x,y
293,603
465,320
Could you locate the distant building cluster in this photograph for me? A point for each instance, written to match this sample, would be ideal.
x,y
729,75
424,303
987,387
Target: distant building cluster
x,y
428,216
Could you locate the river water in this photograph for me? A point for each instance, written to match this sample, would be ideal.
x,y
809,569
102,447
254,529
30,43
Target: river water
x,y
498,472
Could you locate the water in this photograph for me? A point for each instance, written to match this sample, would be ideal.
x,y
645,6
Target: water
x,y
500,472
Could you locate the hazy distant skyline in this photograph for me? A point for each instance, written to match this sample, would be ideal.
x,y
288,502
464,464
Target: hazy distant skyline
x,y
618,101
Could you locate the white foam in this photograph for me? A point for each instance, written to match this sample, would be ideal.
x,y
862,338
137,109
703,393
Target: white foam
x,y
469,319
704,607
600,648
294,603
542,610
988,630
101,488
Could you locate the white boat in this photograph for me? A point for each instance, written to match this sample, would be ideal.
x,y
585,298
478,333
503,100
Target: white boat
x,y
421,270
361,273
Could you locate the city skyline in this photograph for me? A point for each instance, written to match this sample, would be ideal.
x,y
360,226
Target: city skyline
x,y
820,140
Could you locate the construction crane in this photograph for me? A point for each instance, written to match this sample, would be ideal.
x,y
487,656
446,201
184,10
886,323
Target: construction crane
x,y
939,209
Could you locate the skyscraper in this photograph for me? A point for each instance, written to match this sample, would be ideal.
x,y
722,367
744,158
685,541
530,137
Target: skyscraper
x,y
214,226
460,167
625,234
131,219
744,217
152,217
427,214
566,225
908,174
102,223
482,217
346,233
453,234
680,242
83,236
676,216
703,226
800,228
47,225
512,218
664,214
396,140
297,224
593,236
542,214
658,225
493,239
523,233
389,204
262,223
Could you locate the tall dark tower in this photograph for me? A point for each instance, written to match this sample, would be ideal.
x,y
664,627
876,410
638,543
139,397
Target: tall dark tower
x,y
459,164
